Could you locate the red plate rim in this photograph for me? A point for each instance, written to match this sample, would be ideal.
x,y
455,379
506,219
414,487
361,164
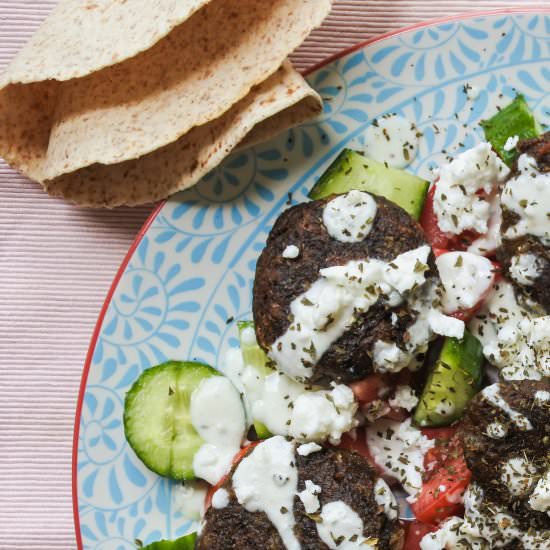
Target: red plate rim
x,y
158,208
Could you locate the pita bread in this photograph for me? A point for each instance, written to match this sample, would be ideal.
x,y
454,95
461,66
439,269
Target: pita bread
x,y
67,105
284,99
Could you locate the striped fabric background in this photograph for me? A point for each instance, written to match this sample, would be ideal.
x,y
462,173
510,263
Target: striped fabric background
x,y
56,265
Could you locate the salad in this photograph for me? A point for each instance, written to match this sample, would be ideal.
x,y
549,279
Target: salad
x,y
392,389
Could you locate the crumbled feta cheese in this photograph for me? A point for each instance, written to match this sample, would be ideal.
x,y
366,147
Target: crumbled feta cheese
x,y
524,195
444,325
384,497
309,497
491,240
407,271
518,475
496,430
525,268
465,277
220,499
515,341
404,397
399,449
349,217
457,204
388,357
540,497
542,396
511,143
291,252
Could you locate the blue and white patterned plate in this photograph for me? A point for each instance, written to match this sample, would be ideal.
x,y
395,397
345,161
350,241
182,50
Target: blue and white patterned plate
x,y
189,275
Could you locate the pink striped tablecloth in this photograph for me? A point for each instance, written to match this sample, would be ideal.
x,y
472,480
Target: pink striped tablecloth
x,y
56,264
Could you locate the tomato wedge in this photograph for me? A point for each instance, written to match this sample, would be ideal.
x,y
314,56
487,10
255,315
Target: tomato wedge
x,y
368,389
437,238
415,532
236,459
447,478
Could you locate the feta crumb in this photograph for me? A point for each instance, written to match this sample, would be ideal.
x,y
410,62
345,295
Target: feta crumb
x,y
220,499
291,252
518,475
540,498
384,497
525,268
305,449
444,325
309,497
404,397
511,143
457,205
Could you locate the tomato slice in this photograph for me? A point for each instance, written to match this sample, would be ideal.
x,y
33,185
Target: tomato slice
x,y
415,532
236,459
428,220
447,477
368,389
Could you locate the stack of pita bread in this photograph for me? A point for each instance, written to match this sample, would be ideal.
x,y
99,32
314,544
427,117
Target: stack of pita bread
x,y
118,102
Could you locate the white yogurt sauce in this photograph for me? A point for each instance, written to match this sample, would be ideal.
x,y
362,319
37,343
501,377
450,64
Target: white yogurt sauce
x,y
528,195
513,341
266,481
291,252
518,474
220,499
309,496
404,397
341,527
540,497
457,205
392,139
189,498
492,395
349,217
287,407
525,268
384,497
218,415
399,449
324,312
466,278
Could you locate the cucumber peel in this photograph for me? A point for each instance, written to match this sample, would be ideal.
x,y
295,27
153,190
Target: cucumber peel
x,y
157,418
186,542
254,356
454,379
516,119
352,170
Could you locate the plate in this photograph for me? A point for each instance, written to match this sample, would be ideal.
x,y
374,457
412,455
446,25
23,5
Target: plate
x,y
188,277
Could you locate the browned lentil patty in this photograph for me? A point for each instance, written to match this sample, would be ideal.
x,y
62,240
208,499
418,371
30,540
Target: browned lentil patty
x,y
279,281
539,290
342,475
486,455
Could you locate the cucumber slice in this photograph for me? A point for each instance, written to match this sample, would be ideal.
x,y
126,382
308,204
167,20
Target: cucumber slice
x,y
255,357
516,119
186,542
352,170
454,380
157,419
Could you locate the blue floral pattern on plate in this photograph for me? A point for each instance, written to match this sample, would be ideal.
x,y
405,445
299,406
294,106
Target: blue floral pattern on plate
x,y
190,277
